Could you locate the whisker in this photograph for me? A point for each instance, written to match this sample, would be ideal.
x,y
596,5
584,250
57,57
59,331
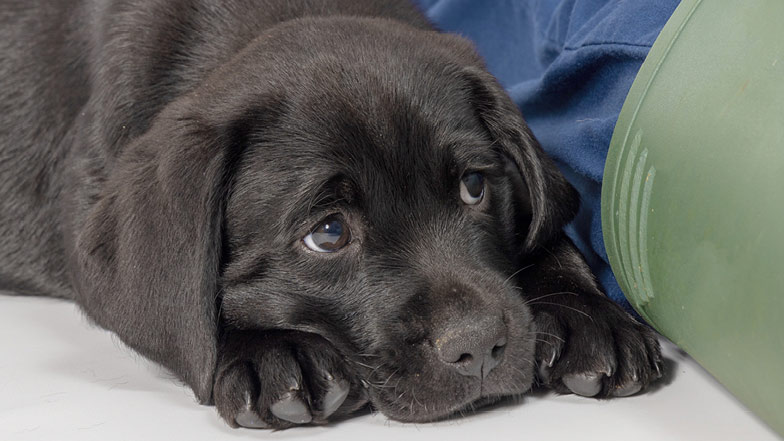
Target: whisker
x,y
564,306
554,257
529,361
514,367
552,294
390,376
365,365
377,368
517,272
380,386
551,335
417,401
399,397
544,341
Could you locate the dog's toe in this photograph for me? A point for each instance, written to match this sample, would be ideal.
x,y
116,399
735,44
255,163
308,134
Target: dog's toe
x,y
280,381
599,352
262,392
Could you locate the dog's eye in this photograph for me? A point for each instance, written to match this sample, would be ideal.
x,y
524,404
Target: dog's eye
x,y
472,188
330,235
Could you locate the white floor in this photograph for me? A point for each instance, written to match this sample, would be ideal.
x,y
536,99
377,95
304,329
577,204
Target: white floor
x,y
61,379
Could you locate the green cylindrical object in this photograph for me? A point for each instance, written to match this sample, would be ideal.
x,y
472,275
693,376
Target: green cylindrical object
x,y
693,196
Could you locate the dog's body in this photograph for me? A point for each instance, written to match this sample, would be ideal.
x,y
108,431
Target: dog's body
x,y
181,168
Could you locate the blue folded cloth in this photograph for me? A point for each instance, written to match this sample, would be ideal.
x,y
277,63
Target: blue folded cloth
x,y
568,64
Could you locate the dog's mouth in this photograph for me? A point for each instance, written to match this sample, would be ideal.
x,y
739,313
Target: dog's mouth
x,y
416,385
416,403
413,406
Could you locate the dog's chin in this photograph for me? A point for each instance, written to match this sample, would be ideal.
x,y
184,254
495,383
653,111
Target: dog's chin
x,y
424,397
409,410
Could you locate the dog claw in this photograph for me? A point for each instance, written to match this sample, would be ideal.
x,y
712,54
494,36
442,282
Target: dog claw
x,y
335,396
247,418
544,372
292,409
545,367
587,385
627,390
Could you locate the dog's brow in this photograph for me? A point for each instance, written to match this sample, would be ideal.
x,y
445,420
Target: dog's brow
x,y
322,199
336,190
476,156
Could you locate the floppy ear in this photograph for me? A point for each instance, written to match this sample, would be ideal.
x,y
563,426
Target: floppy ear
x,y
554,202
149,251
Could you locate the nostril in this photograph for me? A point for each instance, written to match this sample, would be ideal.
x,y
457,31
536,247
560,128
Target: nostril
x,y
465,359
498,351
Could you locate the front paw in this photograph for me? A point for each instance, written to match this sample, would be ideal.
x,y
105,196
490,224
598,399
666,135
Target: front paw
x,y
592,347
276,380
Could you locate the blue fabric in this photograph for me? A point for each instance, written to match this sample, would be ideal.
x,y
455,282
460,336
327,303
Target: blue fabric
x,y
568,64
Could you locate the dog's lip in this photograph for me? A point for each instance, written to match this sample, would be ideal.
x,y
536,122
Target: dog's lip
x,y
472,404
411,415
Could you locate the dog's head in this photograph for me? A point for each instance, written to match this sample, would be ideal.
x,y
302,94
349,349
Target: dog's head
x,y
353,178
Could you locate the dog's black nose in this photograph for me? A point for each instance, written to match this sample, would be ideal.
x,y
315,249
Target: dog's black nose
x,y
472,347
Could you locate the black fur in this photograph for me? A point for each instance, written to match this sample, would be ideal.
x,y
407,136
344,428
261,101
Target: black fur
x,y
161,161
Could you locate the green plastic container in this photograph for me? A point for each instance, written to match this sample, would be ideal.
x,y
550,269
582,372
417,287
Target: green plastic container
x,y
693,196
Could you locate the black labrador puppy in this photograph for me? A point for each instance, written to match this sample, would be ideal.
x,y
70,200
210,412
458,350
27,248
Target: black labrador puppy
x,y
298,206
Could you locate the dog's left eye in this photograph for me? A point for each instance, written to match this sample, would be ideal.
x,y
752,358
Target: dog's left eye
x,y
330,235
472,188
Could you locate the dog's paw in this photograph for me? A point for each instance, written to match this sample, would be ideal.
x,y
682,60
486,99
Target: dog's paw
x,y
595,348
276,380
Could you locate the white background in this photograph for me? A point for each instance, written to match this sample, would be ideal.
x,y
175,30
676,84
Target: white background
x,y
62,379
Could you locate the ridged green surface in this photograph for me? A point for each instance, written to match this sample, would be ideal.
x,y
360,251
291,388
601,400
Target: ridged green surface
x,y
693,196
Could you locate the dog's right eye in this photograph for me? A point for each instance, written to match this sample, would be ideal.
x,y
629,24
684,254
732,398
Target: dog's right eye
x,y
330,235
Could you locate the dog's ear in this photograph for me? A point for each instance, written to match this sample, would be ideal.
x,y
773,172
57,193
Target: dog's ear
x,y
149,250
554,202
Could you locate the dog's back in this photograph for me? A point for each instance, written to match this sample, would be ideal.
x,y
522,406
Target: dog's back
x,y
79,79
